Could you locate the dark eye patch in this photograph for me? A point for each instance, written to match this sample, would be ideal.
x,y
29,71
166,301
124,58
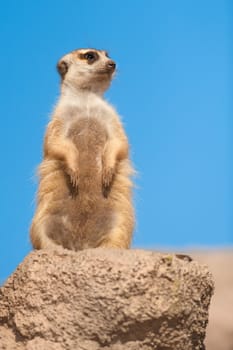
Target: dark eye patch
x,y
89,56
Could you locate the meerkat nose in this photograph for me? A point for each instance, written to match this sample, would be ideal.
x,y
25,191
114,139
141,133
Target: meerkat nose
x,y
112,65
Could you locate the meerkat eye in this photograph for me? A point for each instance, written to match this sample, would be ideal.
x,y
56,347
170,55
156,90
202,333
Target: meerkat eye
x,y
90,56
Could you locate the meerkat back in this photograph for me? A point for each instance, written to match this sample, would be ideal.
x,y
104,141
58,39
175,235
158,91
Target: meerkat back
x,y
84,197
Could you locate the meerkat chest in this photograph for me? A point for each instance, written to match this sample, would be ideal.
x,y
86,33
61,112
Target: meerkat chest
x,y
88,119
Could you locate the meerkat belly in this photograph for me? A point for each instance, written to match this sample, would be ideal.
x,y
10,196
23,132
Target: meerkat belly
x,y
89,136
85,216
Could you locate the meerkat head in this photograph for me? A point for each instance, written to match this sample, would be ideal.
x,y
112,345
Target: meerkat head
x,y
86,69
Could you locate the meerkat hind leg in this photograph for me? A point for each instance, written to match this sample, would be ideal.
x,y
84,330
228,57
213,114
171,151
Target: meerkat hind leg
x,y
44,232
119,237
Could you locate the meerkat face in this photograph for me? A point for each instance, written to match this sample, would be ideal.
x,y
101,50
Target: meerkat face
x,y
87,69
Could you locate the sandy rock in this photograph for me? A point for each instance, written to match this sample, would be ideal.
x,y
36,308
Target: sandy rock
x,y
219,335
105,299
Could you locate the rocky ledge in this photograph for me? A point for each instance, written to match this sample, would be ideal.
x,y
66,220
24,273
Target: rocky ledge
x,y
105,299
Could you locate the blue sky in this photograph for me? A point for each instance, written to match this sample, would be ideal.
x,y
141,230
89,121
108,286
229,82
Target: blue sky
x,y
172,90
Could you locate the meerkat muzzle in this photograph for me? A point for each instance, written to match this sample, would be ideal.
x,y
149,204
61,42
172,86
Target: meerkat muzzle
x,y
111,66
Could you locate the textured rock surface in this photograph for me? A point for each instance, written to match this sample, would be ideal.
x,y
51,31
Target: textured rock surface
x,y
105,299
219,333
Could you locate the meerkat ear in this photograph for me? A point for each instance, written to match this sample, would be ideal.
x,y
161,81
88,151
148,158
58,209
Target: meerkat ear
x,y
62,68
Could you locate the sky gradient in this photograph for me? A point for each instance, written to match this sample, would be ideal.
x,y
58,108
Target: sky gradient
x,y
172,90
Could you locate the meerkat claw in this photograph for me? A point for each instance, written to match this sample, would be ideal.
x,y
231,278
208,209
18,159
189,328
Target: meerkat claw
x,y
108,176
74,178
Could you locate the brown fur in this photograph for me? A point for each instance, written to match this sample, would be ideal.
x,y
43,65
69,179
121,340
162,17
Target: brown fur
x,y
84,195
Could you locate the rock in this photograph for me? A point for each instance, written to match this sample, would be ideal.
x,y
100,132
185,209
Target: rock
x,y
221,308
105,299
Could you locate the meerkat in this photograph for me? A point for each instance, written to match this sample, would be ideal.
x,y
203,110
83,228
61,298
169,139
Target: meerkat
x,y
84,198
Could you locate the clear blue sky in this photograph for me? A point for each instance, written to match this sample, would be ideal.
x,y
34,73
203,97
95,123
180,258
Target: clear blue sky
x,y
172,89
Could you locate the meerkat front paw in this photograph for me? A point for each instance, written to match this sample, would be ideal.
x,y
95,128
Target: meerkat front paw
x,y
108,174
74,177
73,170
